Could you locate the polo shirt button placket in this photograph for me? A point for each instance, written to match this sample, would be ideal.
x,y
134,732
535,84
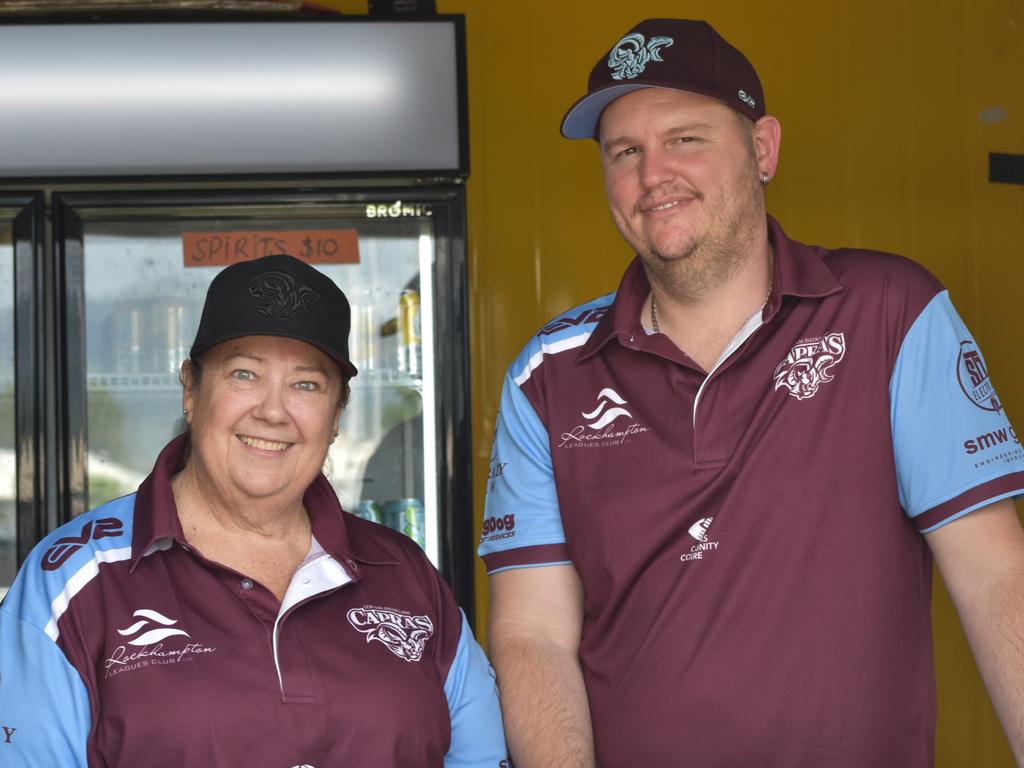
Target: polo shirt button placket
x,y
246,583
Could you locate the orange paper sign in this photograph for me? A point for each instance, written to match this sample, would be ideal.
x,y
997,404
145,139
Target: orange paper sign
x,y
317,246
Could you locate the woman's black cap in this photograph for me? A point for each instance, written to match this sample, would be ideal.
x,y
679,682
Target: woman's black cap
x,y
277,296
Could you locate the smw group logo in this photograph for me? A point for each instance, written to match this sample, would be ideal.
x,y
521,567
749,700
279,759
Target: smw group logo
x,y
699,533
609,423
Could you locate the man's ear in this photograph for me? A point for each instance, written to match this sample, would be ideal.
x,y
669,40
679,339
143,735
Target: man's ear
x,y
767,138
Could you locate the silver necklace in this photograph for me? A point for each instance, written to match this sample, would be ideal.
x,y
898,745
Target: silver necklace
x,y
654,302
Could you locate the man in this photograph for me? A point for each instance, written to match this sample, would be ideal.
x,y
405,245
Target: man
x,y
717,492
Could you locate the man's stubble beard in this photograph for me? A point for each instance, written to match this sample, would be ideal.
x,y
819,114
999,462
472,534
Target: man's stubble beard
x,y
710,260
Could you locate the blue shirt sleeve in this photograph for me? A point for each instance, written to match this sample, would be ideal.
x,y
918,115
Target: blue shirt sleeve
x,y
478,736
522,505
44,707
955,449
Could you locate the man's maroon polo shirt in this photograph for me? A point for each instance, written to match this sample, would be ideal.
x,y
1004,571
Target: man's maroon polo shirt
x,y
757,588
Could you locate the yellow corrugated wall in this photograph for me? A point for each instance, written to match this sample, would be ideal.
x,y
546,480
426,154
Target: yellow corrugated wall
x,y
889,110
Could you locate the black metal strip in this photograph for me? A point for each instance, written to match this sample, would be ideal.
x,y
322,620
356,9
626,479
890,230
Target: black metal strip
x,y
1005,169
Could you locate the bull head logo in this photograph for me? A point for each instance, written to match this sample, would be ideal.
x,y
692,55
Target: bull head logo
x,y
278,297
630,56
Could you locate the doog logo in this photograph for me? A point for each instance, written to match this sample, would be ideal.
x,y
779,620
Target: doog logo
x,y
499,527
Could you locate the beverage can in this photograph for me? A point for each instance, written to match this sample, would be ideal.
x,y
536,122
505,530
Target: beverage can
x,y
410,343
364,336
406,516
173,331
368,510
129,332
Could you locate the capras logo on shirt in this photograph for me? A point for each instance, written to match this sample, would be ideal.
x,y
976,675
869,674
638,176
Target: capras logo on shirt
x,y
599,428
809,364
64,548
399,631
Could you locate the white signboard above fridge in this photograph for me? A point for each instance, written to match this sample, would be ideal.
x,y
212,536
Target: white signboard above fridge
x,y
300,97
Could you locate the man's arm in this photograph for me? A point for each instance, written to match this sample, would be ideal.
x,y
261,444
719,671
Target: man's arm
x,y
536,620
981,559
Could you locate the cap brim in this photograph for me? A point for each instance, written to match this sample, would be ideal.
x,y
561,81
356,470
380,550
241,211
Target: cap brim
x,y
580,122
346,366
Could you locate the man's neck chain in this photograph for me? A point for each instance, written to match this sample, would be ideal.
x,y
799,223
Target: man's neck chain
x,y
654,302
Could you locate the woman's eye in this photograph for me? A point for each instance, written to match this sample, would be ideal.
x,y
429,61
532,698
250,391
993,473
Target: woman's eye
x,y
308,386
243,375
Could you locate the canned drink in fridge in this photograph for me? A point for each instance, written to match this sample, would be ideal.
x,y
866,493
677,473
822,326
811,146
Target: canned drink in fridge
x,y
129,332
173,332
364,337
410,343
406,516
368,510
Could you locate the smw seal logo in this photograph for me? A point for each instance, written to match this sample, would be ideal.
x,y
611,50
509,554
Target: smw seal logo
x,y
699,533
973,377
630,56
399,631
809,364
609,424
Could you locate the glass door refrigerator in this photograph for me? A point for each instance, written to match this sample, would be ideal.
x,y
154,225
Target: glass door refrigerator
x,y
107,273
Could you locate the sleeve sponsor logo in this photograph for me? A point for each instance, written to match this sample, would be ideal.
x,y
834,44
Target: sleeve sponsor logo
x,y
496,528
64,548
584,318
809,365
599,429
497,469
972,374
8,733
399,631
1005,440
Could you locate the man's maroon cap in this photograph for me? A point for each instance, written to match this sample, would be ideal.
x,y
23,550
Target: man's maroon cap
x,y
680,54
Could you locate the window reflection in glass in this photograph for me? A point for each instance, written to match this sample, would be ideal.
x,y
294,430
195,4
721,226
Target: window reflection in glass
x,y
8,495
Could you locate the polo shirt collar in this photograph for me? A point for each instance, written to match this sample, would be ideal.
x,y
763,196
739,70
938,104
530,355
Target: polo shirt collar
x,y
157,526
798,271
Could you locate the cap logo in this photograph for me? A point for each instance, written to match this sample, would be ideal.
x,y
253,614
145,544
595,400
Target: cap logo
x,y
630,56
278,297
747,99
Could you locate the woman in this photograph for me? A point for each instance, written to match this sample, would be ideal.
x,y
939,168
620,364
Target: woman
x,y
229,614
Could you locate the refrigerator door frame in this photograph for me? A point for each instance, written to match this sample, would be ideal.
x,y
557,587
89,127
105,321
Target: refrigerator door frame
x,y
451,330
34,519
